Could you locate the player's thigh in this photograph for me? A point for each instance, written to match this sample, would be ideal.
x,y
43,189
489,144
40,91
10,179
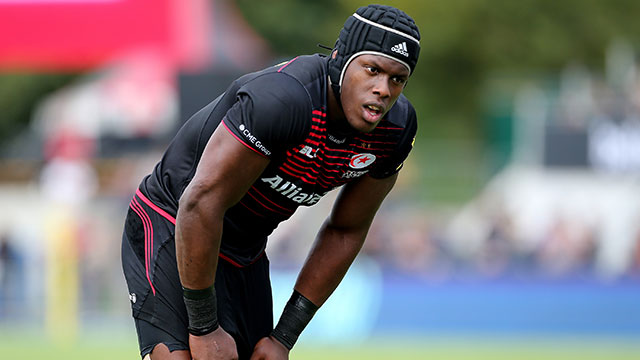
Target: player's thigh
x,y
245,306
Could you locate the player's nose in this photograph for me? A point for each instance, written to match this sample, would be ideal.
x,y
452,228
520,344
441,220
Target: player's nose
x,y
381,87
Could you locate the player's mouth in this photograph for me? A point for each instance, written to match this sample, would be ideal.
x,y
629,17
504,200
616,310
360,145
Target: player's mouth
x,y
373,112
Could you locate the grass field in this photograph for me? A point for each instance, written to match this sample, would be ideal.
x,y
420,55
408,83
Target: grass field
x,y
17,346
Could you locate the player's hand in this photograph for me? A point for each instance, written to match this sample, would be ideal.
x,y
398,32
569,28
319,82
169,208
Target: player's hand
x,y
269,348
217,345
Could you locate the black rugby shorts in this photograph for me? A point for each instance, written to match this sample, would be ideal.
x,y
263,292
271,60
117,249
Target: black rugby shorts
x,y
245,307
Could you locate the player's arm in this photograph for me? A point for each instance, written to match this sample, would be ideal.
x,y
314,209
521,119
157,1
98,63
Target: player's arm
x,y
226,171
338,242
273,108
341,237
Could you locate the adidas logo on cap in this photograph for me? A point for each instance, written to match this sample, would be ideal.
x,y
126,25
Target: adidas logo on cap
x,y
401,49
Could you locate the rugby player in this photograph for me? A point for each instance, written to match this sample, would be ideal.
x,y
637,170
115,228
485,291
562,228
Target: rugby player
x,y
193,248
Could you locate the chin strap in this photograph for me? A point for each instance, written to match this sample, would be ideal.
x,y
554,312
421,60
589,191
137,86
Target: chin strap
x,y
336,90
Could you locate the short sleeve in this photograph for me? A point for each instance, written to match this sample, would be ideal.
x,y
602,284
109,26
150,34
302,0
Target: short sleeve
x,y
394,163
271,112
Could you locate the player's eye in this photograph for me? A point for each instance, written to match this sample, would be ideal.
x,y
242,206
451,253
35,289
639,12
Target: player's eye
x,y
371,69
399,80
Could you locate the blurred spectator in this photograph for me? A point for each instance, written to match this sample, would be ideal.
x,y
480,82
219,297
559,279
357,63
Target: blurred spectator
x,y
498,249
68,177
6,260
567,248
635,263
9,275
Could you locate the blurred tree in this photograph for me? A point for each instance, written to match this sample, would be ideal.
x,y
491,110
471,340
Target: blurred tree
x,y
295,27
19,94
464,42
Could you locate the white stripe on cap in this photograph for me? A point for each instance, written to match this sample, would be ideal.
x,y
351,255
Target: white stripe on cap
x,y
386,28
344,69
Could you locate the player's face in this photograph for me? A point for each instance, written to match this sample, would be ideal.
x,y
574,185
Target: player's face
x,y
371,85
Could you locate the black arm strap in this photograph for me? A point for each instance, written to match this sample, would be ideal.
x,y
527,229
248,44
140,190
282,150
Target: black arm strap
x,y
202,309
295,317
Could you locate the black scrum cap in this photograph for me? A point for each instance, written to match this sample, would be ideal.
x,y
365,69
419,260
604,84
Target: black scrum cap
x,y
379,30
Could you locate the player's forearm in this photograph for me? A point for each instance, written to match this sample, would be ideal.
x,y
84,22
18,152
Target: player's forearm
x,y
333,253
198,236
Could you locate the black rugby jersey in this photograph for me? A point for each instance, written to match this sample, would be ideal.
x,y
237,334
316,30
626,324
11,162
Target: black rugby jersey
x,y
280,113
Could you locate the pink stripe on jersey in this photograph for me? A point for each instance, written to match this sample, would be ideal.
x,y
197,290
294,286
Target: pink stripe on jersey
x,y
378,142
148,238
299,173
337,157
250,209
265,206
334,164
243,143
230,261
266,198
287,64
155,207
341,151
325,183
297,176
330,170
369,148
303,168
298,157
227,259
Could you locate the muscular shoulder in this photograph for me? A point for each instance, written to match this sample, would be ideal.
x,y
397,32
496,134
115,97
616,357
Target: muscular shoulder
x,y
309,70
272,110
276,92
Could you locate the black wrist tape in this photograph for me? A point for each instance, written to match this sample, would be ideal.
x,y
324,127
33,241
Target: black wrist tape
x,y
295,317
202,309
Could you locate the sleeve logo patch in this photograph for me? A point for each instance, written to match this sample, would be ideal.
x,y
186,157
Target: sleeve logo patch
x,y
360,161
253,140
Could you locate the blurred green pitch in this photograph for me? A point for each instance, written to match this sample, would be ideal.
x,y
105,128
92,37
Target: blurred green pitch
x,y
114,346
